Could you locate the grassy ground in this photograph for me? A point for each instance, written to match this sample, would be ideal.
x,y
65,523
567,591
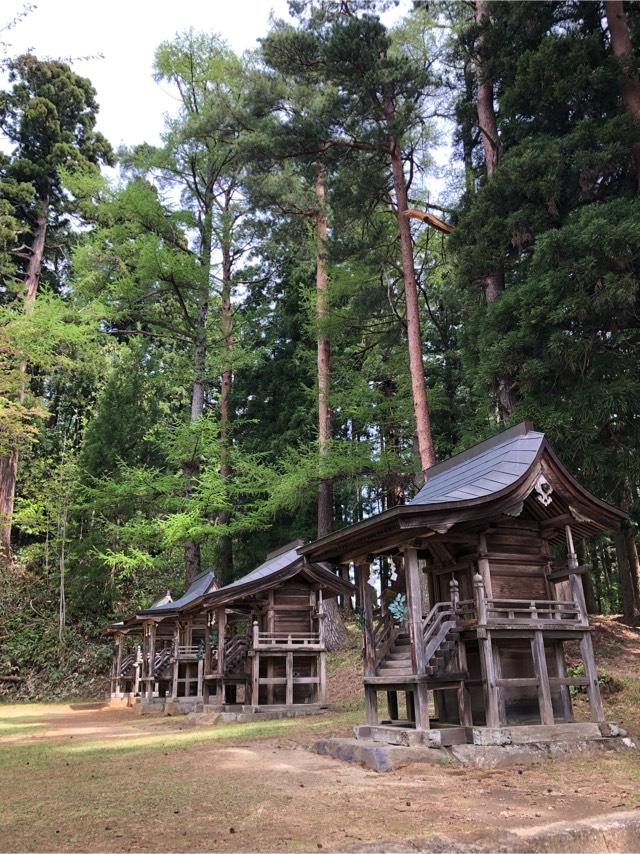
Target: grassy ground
x,y
83,778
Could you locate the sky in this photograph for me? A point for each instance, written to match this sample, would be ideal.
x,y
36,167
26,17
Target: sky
x,y
126,33
113,44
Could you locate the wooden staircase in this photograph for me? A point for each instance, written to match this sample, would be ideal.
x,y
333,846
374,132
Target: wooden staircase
x,y
439,636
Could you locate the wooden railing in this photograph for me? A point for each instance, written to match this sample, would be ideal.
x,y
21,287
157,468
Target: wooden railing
x,y
384,633
517,610
188,652
285,639
465,612
235,651
435,627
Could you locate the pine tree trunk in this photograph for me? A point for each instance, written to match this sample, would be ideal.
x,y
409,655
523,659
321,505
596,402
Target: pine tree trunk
x,y
629,605
9,464
225,543
191,467
466,125
493,282
334,630
418,386
623,50
325,490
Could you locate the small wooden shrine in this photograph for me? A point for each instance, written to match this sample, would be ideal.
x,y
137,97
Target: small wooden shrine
x,y
484,561
257,642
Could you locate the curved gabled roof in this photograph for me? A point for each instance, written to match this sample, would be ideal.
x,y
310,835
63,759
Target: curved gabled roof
x,y
488,467
279,566
199,586
490,479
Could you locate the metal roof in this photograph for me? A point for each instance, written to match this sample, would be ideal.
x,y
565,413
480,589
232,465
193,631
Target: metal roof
x,y
198,587
269,567
482,470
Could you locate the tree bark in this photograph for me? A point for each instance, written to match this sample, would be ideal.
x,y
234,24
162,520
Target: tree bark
x,y
418,386
325,489
191,467
225,543
334,630
629,83
493,282
9,464
629,604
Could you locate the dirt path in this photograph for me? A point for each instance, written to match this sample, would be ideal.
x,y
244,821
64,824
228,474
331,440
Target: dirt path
x,y
77,779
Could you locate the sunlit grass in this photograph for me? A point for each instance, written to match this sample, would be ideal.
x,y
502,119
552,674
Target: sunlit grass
x,y
51,751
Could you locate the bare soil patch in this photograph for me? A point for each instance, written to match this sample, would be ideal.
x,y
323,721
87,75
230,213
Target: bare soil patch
x,y
100,780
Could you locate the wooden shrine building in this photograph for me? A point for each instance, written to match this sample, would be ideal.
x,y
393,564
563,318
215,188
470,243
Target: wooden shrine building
x,y
256,642
485,555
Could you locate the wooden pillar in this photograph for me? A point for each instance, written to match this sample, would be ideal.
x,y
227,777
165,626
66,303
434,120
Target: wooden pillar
x,y
289,692
565,694
392,705
591,673
255,666
371,705
119,666
207,644
176,662
416,636
200,689
322,675
221,622
464,697
487,666
151,660
542,675
322,658
362,573
408,700
414,604
138,671
483,566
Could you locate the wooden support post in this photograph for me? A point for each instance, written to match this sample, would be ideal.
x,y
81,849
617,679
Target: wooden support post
x,y
392,705
483,566
464,697
542,675
322,684
497,670
200,694
138,671
221,622
371,705
414,604
271,627
411,712
362,573
118,665
289,694
591,673
565,693
176,663
207,644
416,635
255,668
152,660
489,688
421,704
